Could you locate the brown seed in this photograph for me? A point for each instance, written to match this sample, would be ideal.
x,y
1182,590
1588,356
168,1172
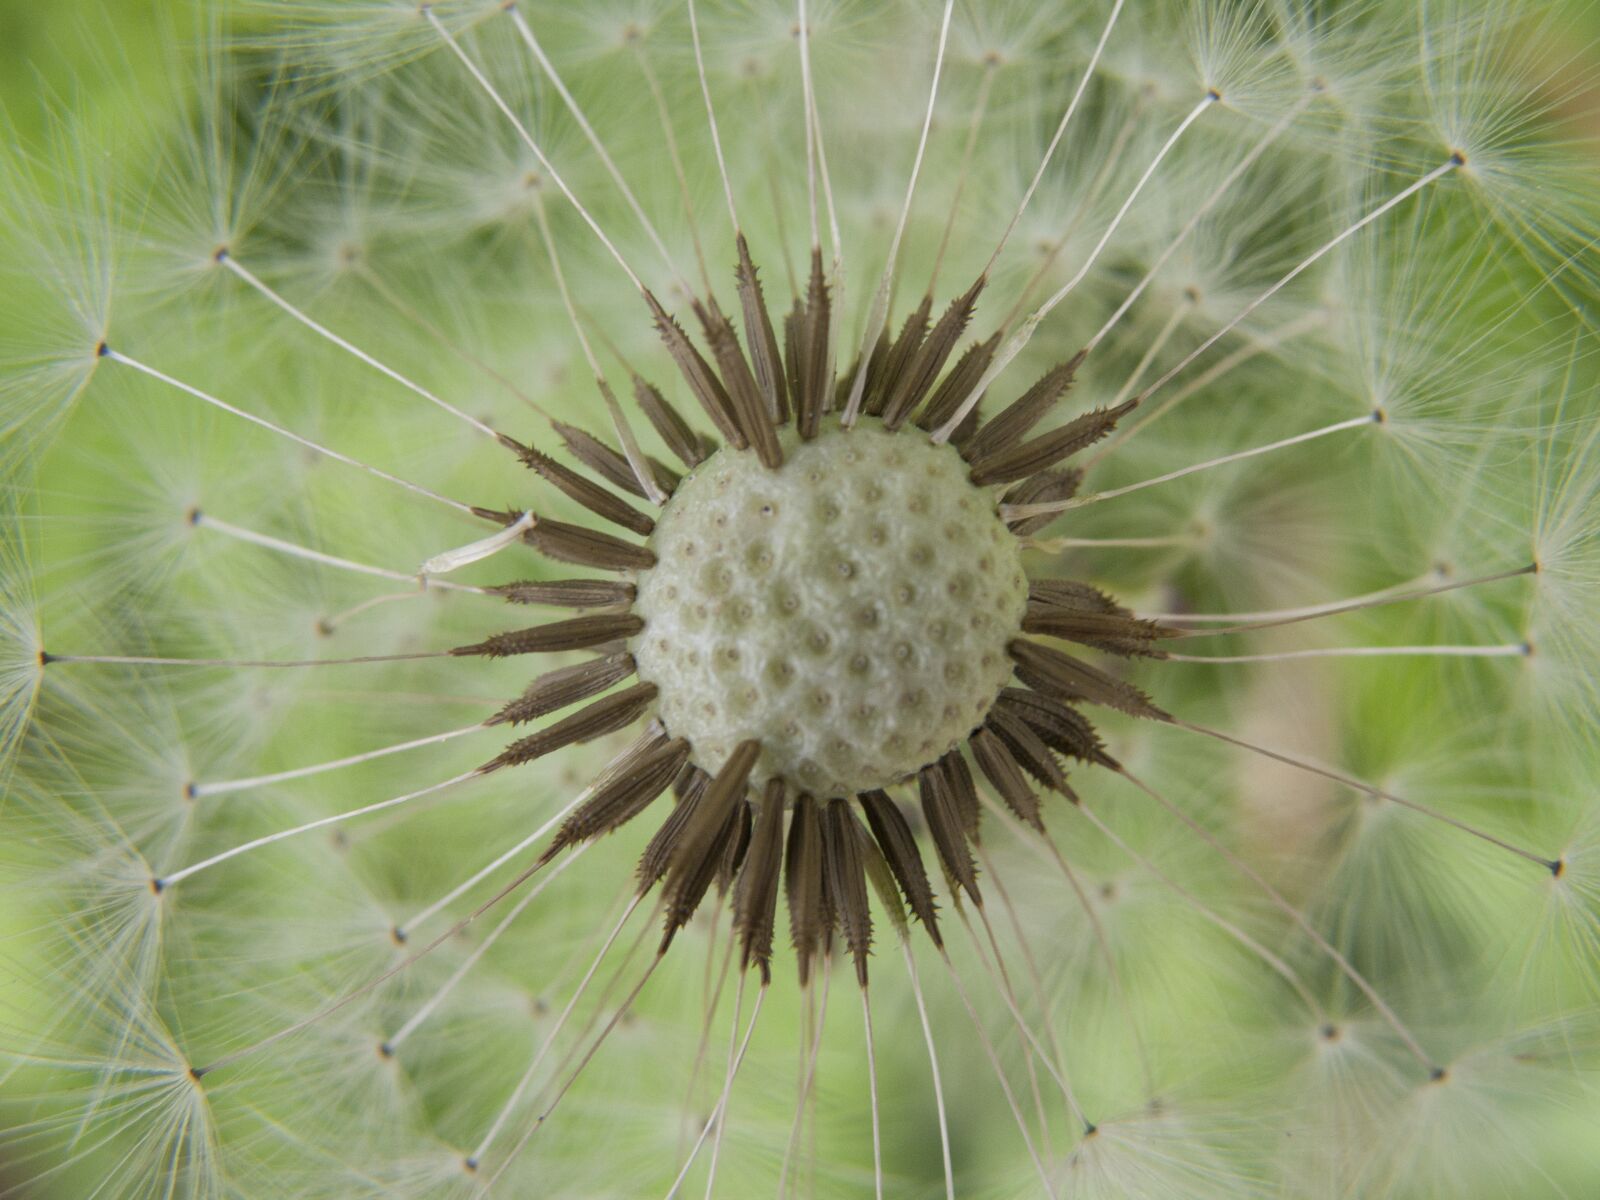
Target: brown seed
x,y
1012,423
899,847
567,593
603,716
755,899
1048,670
907,390
689,786
1048,449
697,853
803,885
847,882
958,385
884,370
1047,487
749,408
592,496
557,689
764,356
690,447
611,464
1063,728
575,633
812,384
1000,768
628,791
941,811
697,373
1028,750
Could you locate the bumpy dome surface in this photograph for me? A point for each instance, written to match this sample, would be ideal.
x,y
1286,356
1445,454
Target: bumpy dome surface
x,y
849,610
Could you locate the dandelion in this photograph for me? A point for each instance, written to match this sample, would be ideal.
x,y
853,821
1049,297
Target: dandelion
x,y
1065,671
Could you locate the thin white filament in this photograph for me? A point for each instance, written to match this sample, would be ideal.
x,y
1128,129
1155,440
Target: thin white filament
x,y
808,1076
630,445
528,140
1000,1076
1002,982
1029,962
671,140
1281,968
1052,853
1519,650
396,1039
462,556
1251,157
117,356
872,1094
228,261
1255,347
631,451
1157,344
879,315
405,928
1327,248
811,132
134,660
395,301
545,64
1128,543
1266,618
727,1088
711,115
594,1048
1368,789
980,109
352,996
1015,512
736,1051
165,881
933,1067
1397,594
1061,129
1024,335
199,791
1276,899
544,1047
204,520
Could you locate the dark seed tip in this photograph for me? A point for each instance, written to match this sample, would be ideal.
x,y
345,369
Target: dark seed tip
x,y
1527,649
220,254
385,1050
46,658
470,1164
1558,867
1380,416
198,1073
158,885
1330,1032
101,349
1458,158
1213,95
399,935
1439,1075
189,790
1090,1130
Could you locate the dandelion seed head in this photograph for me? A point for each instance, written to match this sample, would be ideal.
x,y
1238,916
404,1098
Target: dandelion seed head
x,y
484,919
789,607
